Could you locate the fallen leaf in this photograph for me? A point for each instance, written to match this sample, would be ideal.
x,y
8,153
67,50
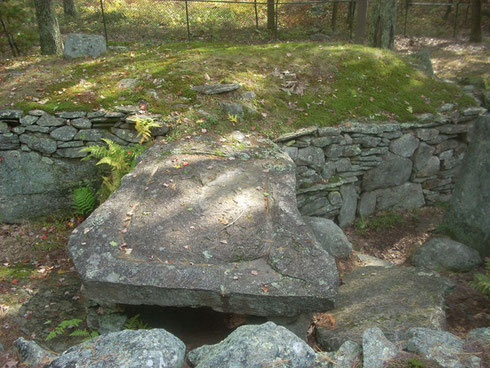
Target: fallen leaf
x,y
265,288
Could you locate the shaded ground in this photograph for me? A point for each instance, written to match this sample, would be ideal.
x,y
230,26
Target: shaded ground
x,y
39,288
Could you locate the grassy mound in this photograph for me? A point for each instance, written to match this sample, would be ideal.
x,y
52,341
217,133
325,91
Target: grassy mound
x,y
295,85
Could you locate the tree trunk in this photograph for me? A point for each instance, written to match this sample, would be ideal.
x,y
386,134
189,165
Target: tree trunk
x,y
49,30
361,21
69,8
334,16
475,35
383,23
270,15
448,11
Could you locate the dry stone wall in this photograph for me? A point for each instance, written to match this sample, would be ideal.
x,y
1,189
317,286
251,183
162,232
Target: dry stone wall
x,y
40,155
358,169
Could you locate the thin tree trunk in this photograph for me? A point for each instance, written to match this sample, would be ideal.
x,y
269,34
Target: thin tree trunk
x,y
49,30
475,35
361,21
69,8
382,24
334,16
10,39
271,24
448,11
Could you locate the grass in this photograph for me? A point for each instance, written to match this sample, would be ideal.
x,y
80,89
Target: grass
x,y
340,82
379,222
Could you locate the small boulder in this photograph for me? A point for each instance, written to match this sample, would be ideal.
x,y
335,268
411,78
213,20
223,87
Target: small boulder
x,y
330,236
213,89
376,348
128,348
441,346
82,45
447,254
255,347
31,353
127,83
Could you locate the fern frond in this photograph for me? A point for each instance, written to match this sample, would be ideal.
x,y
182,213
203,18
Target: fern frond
x,y
143,127
60,329
135,323
481,282
83,200
79,332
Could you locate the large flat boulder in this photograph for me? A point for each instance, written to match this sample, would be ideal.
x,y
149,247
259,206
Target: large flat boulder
x,y
393,299
206,222
83,45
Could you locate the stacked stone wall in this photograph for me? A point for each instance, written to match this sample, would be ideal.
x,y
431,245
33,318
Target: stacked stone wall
x,y
40,155
357,169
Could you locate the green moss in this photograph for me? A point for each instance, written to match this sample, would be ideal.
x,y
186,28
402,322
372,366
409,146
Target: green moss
x,y
16,272
337,81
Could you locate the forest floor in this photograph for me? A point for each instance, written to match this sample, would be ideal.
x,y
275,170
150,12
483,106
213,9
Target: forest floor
x,y
39,287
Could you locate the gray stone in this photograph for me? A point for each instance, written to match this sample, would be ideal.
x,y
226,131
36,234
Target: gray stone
x,y
18,130
347,213
267,262
467,215
81,123
427,134
422,155
127,83
317,207
232,108
444,253
255,347
71,152
367,204
91,135
367,141
334,151
128,109
47,120
352,150
160,130
360,128
312,156
70,144
322,141
213,89
374,151
37,112
393,170
330,236
31,188
376,348
296,134
343,164
368,260
405,196
446,107
32,354
393,299
126,134
71,114
328,170
29,120
64,133
348,355
4,128
96,114
291,151
83,45
10,114
9,141
455,129
335,198
249,95
440,346
128,348
41,144
328,131
481,335
431,167
37,129
404,146
474,111
425,118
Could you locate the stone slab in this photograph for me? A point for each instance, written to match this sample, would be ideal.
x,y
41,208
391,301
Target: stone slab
x,y
82,45
393,299
206,223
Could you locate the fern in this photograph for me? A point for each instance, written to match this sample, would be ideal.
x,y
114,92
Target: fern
x,y
481,282
60,329
135,323
85,333
143,127
120,159
83,200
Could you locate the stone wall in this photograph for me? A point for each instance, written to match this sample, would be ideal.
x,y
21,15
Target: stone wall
x,y
358,169
40,155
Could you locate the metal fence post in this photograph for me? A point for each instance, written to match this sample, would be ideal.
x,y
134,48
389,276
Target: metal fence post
x,y
352,9
103,21
187,21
